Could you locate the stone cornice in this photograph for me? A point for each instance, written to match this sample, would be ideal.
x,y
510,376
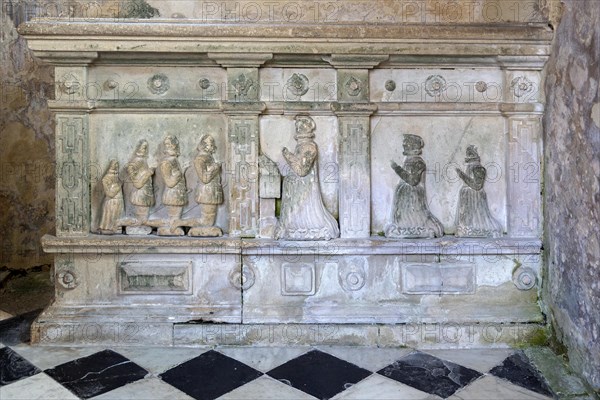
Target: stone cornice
x,y
343,45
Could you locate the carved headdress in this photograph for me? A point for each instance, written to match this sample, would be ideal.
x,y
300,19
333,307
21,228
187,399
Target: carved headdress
x,y
413,145
141,150
308,123
171,144
472,154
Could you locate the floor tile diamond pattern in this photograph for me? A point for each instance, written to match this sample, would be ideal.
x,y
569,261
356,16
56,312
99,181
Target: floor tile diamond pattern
x,y
430,374
265,373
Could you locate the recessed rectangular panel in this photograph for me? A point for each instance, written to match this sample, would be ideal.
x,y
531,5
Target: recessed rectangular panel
x,y
298,279
155,277
438,279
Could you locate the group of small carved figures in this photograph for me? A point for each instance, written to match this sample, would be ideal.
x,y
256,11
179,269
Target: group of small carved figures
x,y
303,214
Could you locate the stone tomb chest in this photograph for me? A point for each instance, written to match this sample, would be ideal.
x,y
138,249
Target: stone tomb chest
x,y
222,182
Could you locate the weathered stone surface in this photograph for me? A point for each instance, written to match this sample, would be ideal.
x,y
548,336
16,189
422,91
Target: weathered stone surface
x,y
367,280
572,191
26,149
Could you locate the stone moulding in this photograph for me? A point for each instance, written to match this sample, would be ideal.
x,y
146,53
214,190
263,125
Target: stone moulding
x,y
376,245
49,38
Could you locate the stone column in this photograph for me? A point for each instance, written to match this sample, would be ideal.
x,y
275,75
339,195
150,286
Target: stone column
x,y
243,144
524,176
242,166
522,88
354,154
354,139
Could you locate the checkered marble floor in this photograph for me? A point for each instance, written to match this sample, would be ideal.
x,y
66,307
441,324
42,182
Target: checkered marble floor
x,y
320,372
323,372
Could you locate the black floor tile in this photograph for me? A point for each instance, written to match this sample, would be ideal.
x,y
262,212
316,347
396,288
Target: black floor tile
x,y
518,370
13,367
430,374
210,375
17,329
96,374
319,374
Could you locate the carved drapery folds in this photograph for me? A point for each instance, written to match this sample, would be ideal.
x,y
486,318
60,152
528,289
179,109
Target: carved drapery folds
x,y
303,214
159,202
411,217
473,218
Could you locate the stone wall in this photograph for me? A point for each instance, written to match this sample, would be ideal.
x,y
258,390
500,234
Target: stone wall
x,y
572,186
26,148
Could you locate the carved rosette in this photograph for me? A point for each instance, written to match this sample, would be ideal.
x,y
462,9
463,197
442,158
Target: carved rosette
x,y
158,84
297,85
353,86
110,84
524,278
435,85
204,83
242,279
481,86
352,276
390,85
521,86
67,279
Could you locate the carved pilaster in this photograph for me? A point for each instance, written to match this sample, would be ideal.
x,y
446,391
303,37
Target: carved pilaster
x,y
72,183
242,155
524,177
354,141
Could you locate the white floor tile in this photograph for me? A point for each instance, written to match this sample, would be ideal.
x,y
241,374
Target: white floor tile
x,y
45,357
147,389
157,360
381,388
481,360
263,359
266,388
492,388
39,386
370,358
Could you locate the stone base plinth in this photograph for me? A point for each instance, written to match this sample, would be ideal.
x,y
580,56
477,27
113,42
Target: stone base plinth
x,y
173,291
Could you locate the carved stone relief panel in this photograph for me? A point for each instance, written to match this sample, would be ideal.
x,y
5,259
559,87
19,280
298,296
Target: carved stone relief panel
x,y
445,141
277,132
456,85
298,84
524,177
72,170
158,83
124,136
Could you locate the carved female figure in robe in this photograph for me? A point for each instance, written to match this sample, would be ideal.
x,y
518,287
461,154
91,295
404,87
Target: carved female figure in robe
x,y
140,175
411,217
174,195
303,214
209,193
113,206
474,218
